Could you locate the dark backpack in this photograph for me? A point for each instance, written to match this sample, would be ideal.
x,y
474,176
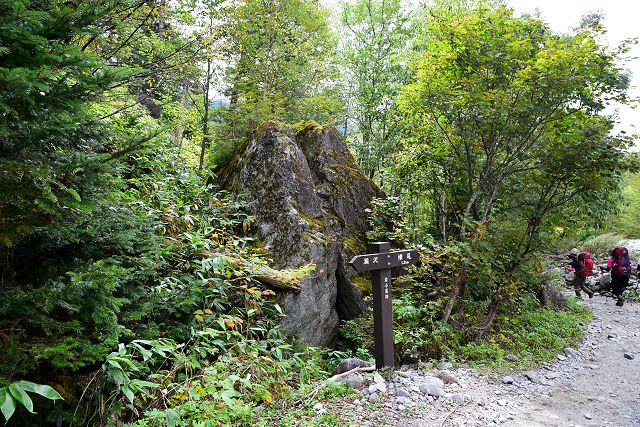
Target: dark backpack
x,y
580,265
622,263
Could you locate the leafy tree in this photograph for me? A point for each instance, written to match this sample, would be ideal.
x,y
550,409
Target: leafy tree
x,y
281,64
376,34
506,122
51,149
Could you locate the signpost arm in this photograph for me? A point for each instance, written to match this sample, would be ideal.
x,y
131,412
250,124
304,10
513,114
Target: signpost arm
x,y
382,314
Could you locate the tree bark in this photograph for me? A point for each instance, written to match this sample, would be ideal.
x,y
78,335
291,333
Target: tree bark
x,y
460,280
491,315
205,124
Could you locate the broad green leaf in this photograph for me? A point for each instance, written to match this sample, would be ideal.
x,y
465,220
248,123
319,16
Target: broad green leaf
x,y
142,383
41,389
7,403
173,418
21,396
128,392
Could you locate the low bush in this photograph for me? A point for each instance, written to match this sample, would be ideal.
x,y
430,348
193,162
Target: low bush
x,y
601,244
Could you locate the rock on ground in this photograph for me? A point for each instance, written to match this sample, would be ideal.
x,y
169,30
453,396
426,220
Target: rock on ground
x,y
309,199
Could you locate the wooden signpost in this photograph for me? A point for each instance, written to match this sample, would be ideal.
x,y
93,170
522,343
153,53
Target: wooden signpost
x,y
380,262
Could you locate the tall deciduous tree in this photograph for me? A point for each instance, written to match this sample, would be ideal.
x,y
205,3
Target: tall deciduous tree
x,y
376,35
282,67
506,122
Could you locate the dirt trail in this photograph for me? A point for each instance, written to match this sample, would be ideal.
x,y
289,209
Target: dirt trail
x,y
597,387
597,384
600,384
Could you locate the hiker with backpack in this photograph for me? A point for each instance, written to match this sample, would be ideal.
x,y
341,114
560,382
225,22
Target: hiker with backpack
x,y
620,266
582,267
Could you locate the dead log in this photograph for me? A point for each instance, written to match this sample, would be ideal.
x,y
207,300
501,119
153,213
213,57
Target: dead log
x,y
281,280
276,279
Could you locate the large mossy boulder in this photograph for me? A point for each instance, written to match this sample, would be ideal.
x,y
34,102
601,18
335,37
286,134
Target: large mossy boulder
x,y
309,199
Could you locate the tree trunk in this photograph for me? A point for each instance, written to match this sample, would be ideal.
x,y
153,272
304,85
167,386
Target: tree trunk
x,y
205,124
491,315
457,288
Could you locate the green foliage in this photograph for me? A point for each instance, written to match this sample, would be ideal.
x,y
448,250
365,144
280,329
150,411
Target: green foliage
x,y
51,148
386,222
602,244
17,393
535,333
522,327
128,280
627,221
281,68
523,148
373,42
218,375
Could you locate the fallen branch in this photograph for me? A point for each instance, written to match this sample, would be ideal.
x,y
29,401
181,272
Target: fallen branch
x,y
352,371
282,280
277,279
449,414
334,378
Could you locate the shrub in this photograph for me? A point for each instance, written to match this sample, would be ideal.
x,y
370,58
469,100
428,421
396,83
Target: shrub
x,y
601,244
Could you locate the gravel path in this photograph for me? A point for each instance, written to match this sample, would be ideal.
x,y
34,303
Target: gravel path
x,y
597,384
599,387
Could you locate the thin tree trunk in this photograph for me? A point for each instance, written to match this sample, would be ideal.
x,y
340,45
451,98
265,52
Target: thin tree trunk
x,y
459,284
491,315
205,124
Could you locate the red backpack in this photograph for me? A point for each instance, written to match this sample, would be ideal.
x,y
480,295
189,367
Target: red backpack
x,y
621,262
585,265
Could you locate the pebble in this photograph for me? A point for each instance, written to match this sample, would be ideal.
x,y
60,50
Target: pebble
x,y
502,402
381,387
355,381
402,392
448,378
458,398
570,352
445,366
511,357
533,377
482,402
432,390
403,400
429,380
508,380
561,357
377,378
374,398
588,416
318,407
612,335
628,356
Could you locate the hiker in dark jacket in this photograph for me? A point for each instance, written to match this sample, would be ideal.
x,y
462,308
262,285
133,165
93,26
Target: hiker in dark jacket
x,y
577,263
620,266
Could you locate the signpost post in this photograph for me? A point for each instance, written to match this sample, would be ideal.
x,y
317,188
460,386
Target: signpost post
x,y
380,262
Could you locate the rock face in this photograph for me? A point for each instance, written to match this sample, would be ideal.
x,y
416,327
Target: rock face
x,y
551,297
309,198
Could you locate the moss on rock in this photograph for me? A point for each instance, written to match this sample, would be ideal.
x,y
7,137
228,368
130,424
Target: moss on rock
x,y
362,282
